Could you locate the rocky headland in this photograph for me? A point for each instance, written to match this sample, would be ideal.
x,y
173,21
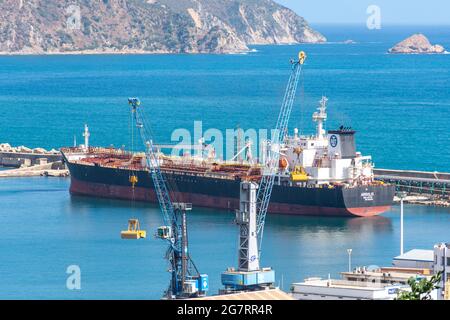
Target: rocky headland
x,y
147,26
417,44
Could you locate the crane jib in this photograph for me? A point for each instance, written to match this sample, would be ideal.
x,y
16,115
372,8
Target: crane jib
x,y
270,169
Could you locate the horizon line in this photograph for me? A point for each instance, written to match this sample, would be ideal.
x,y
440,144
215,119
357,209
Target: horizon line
x,y
384,24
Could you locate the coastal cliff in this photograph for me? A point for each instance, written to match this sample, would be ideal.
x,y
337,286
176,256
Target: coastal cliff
x,y
147,26
417,44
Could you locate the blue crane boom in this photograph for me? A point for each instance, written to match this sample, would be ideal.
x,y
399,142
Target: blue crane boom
x,y
186,281
271,165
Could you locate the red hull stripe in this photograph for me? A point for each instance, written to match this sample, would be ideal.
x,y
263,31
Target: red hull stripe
x,y
201,200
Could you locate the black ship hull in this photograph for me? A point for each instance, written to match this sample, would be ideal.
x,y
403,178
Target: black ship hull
x,y
223,193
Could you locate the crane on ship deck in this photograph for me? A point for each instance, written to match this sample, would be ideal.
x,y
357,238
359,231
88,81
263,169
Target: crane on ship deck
x,y
186,281
254,203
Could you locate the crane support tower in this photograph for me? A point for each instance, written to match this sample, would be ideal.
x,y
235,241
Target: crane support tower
x,y
249,276
254,202
186,281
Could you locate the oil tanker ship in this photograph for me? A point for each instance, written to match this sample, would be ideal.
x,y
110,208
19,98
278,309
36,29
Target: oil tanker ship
x,y
318,175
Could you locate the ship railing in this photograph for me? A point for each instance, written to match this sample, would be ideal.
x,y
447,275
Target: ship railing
x,y
108,151
209,175
98,151
198,161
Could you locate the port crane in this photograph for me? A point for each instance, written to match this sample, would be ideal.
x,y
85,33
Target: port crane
x,y
254,202
186,281
271,165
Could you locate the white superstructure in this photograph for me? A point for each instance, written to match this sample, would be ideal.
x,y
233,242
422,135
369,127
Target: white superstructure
x,y
327,157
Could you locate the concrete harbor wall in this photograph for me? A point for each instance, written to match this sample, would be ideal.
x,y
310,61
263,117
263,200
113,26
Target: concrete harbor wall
x,y
22,156
17,160
31,162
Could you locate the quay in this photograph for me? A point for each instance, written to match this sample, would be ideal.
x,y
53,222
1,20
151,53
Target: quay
x,y
422,187
53,169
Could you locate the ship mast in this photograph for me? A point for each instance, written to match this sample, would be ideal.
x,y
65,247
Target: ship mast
x,y
86,136
320,116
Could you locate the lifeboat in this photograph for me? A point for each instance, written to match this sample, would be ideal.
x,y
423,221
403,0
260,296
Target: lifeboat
x,y
283,163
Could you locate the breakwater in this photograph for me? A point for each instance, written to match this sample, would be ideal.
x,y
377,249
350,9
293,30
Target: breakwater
x,y
27,162
22,156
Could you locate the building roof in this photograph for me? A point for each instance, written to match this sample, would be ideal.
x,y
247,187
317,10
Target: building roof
x,y
345,284
417,255
392,274
271,294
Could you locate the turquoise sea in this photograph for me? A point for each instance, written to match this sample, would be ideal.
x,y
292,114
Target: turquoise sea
x,y
400,106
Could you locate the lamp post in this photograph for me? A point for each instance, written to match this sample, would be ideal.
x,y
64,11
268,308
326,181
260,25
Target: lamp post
x,y
349,251
402,195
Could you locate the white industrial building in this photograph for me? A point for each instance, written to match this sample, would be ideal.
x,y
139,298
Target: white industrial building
x,y
331,289
442,263
416,258
381,283
437,260
386,275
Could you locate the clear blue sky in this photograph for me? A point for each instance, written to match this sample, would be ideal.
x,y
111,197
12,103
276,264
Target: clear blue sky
x,y
416,12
